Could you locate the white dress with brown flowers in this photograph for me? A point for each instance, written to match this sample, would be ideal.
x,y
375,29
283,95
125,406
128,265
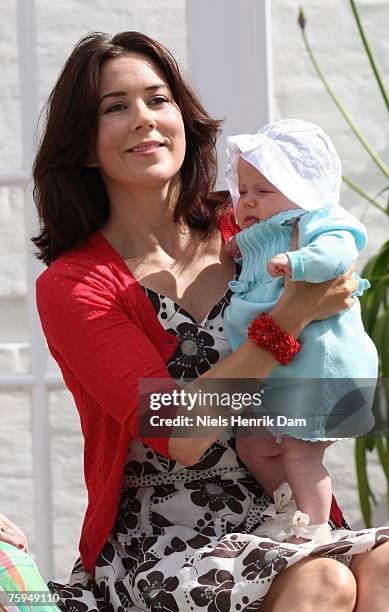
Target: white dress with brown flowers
x,y
183,537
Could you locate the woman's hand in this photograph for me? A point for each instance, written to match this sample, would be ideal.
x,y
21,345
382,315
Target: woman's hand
x,y
10,533
232,248
323,300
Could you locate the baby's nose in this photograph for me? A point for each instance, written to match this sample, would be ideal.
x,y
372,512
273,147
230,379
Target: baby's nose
x,y
251,202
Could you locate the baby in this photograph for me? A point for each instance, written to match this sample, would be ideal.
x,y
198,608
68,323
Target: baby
x,y
288,176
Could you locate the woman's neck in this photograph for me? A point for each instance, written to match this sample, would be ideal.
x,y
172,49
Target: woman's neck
x,y
141,222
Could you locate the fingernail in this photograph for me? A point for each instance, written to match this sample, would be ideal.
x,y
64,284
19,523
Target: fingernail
x,y
21,545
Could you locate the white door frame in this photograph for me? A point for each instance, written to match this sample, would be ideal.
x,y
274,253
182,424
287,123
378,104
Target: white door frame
x,y
230,64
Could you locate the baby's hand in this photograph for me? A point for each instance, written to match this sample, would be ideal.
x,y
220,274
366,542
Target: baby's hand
x,y
279,265
232,248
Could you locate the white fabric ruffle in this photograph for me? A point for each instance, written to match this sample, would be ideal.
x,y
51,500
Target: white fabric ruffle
x,y
283,520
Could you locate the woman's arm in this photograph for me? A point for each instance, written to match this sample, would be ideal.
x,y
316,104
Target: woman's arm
x,y
299,304
103,354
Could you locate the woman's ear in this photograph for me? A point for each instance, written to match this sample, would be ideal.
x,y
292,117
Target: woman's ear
x,y
91,162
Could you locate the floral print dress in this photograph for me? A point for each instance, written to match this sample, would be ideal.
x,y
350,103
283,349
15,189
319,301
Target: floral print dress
x,y
183,537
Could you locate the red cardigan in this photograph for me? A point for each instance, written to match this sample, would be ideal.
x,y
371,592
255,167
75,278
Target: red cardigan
x,y
96,318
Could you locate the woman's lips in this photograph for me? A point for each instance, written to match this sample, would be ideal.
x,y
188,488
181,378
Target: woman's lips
x,y
144,150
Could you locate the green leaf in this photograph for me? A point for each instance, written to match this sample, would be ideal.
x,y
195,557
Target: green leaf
x,y
370,442
374,301
370,305
366,496
384,458
380,418
380,337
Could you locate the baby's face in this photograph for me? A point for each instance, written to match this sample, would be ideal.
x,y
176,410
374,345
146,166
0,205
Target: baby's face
x,y
258,199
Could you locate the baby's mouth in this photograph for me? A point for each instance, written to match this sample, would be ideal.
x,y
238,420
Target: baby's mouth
x,y
250,221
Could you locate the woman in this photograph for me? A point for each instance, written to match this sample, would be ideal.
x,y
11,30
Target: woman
x,y
135,289
21,584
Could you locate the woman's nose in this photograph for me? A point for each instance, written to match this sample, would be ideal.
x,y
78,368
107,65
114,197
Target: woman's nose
x,y
143,118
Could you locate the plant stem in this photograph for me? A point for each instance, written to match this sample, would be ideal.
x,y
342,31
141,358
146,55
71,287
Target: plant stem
x,y
373,154
383,457
369,54
381,191
364,194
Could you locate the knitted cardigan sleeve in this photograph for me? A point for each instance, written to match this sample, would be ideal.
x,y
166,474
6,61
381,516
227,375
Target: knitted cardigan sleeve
x,y
329,242
101,352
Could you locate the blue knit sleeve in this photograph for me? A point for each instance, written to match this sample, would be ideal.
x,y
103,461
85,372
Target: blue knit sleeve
x,y
329,241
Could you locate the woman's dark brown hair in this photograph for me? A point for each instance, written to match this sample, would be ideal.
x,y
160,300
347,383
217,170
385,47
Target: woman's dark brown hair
x,y
70,197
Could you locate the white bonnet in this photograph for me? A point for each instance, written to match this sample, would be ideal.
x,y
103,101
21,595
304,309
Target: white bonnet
x,y
297,157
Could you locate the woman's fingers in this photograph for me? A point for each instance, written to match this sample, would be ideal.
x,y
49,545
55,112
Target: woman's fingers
x,y
346,285
339,292
10,533
316,301
351,284
12,526
10,537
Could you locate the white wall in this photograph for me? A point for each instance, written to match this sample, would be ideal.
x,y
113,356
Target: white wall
x,y
297,93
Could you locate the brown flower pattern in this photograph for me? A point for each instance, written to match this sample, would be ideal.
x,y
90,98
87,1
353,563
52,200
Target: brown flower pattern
x,y
195,353
214,590
182,538
216,493
268,557
156,592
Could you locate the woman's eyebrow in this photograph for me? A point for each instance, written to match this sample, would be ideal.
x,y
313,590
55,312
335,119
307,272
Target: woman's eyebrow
x,y
156,86
114,94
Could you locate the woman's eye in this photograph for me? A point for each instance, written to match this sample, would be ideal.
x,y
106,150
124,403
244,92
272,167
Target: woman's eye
x,y
118,106
158,100
242,193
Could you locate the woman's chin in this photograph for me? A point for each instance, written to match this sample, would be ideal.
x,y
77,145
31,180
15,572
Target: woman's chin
x,y
152,179
158,175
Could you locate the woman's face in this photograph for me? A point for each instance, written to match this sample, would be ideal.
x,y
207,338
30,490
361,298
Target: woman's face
x,y
140,139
